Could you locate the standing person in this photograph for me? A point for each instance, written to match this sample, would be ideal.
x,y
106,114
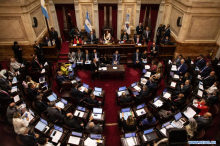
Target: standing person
x,y
70,20
137,59
94,68
96,55
116,58
54,37
167,31
17,51
38,51
146,34
139,29
159,29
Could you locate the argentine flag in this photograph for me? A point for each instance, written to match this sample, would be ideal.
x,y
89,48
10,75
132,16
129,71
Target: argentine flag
x,y
44,9
88,26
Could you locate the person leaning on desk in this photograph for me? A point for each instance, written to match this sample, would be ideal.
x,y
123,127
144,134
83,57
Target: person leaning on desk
x,y
130,124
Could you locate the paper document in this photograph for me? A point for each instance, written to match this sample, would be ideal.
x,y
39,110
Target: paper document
x,y
173,84
57,136
14,82
126,115
158,103
167,95
90,142
147,66
195,103
120,93
74,140
139,44
173,68
169,62
189,112
16,98
79,113
45,64
96,116
201,87
14,89
145,139
199,77
83,88
137,88
130,141
140,112
200,93
114,67
176,76
148,74
73,81
74,44
192,62
43,71
164,131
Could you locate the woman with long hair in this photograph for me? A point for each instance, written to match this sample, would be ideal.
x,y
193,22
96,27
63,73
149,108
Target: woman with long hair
x,y
191,128
129,124
107,36
157,75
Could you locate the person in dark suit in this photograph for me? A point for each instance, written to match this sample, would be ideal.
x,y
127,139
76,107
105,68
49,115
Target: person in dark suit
x,y
144,57
53,34
149,119
116,58
17,51
214,98
137,39
36,64
5,84
151,84
41,105
105,59
91,37
38,51
54,112
130,124
10,111
205,71
32,92
166,41
167,31
86,59
125,99
209,80
159,29
203,121
79,57
92,100
177,101
94,69
5,97
77,93
181,69
91,127
200,62
139,29
178,60
72,122
137,59
187,76
69,20
144,92
29,138
184,89
153,50
60,78
96,55
146,34
124,36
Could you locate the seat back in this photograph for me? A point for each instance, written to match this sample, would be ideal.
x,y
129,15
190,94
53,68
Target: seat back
x,y
18,139
66,86
35,108
90,106
123,105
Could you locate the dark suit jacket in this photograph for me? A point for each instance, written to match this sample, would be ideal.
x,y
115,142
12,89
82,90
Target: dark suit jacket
x,y
96,129
184,90
135,39
129,128
122,36
5,99
144,35
182,69
202,122
38,50
77,94
35,65
107,61
178,103
167,32
127,99
16,50
114,57
139,57
41,106
89,37
54,114
93,67
139,28
31,92
206,71
92,101
151,86
81,57
213,100
144,56
29,140
186,78
208,81
156,48
60,79
4,84
200,63
54,35
89,57
142,94
98,55
72,123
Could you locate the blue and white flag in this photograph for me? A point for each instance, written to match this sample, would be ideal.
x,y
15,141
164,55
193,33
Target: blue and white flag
x,y
44,9
88,26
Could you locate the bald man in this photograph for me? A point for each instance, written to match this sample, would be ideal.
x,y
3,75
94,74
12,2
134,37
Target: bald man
x,y
72,122
184,89
203,121
92,128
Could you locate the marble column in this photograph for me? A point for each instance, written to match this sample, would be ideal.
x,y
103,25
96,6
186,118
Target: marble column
x,y
96,18
119,19
76,4
137,13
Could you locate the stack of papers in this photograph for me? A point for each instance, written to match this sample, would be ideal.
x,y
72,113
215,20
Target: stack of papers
x,y
164,131
176,76
167,95
169,62
201,87
173,84
147,66
74,44
139,44
45,64
130,141
74,140
195,103
104,68
137,88
90,142
79,112
158,103
199,77
174,68
200,93
140,112
97,116
189,112
114,67
43,71
147,74
16,98
57,136
143,81
83,88
126,115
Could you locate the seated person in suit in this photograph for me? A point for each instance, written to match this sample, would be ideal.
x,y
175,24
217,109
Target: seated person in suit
x,y
153,50
124,36
209,80
36,63
64,69
203,106
157,75
92,100
73,122
28,80
137,39
60,78
41,105
200,62
5,84
167,31
94,69
91,37
72,57
205,71
212,88
178,60
105,59
54,112
177,101
77,40
95,55
164,114
86,59
187,76
33,92
144,92
107,36
116,58
137,59
151,84
166,40
149,119
130,124
125,99
91,127
144,56
29,138
214,98
76,92
203,121
15,65
10,111
43,141
184,89
5,97
181,69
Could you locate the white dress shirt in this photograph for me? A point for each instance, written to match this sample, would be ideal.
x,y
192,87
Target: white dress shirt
x,y
19,125
211,89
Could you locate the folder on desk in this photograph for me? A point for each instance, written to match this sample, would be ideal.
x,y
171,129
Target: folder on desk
x,y
74,140
200,93
189,112
173,84
16,98
176,76
147,66
167,95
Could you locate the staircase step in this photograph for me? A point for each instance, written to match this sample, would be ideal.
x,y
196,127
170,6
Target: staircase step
x,y
63,54
62,57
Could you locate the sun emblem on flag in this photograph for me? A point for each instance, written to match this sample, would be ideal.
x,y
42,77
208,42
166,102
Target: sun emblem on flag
x,y
88,24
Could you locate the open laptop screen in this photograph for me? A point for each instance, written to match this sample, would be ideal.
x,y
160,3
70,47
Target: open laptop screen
x,y
127,135
140,106
58,128
148,131
98,89
96,136
125,110
133,84
97,110
122,88
178,116
77,134
85,85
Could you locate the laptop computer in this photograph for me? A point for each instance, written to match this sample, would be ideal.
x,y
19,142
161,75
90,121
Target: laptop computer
x,y
40,126
196,69
97,91
149,135
95,136
148,131
42,79
97,110
122,88
86,85
62,103
77,79
165,90
127,135
135,93
81,108
165,124
144,71
155,99
141,106
176,123
58,128
52,97
78,134
123,110
44,121
133,84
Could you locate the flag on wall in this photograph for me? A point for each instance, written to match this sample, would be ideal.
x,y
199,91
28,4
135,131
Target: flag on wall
x,y
44,9
88,26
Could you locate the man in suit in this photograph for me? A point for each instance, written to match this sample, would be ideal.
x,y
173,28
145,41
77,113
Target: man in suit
x,y
137,39
38,51
205,71
159,29
144,92
184,89
146,34
91,127
125,99
79,57
17,51
69,20
91,37
200,63
178,60
41,105
53,34
94,68
32,92
60,78
86,59
203,121
214,98
29,138
181,69
72,122
54,112
116,58
137,59
5,97
167,31
92,100
209,80
166,40
10,111
124,36
151,84
177,101
139,29
153,50
77,93
36,64
96,55
5,84
71,33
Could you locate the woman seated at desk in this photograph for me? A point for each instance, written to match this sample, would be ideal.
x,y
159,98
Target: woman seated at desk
x,y
29,80
105,59
150,119
107,36
153,66
203,105
72,57
64,68
144,57
157,75
77,40
130,124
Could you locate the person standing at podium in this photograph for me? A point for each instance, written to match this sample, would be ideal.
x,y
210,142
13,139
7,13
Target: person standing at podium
x,y
116,58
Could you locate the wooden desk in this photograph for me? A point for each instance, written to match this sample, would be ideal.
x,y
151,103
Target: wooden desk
x,y
124,143
86,113
145,108
101,96
167,51
120,70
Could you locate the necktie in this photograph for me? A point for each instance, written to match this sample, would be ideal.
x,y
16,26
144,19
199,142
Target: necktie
x,y
79,56
204,68
95,64
91,37
4,92
136,56
116,58
137,40
37,62
179,67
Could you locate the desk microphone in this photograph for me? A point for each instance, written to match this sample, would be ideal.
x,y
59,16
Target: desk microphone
x,y
54,133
